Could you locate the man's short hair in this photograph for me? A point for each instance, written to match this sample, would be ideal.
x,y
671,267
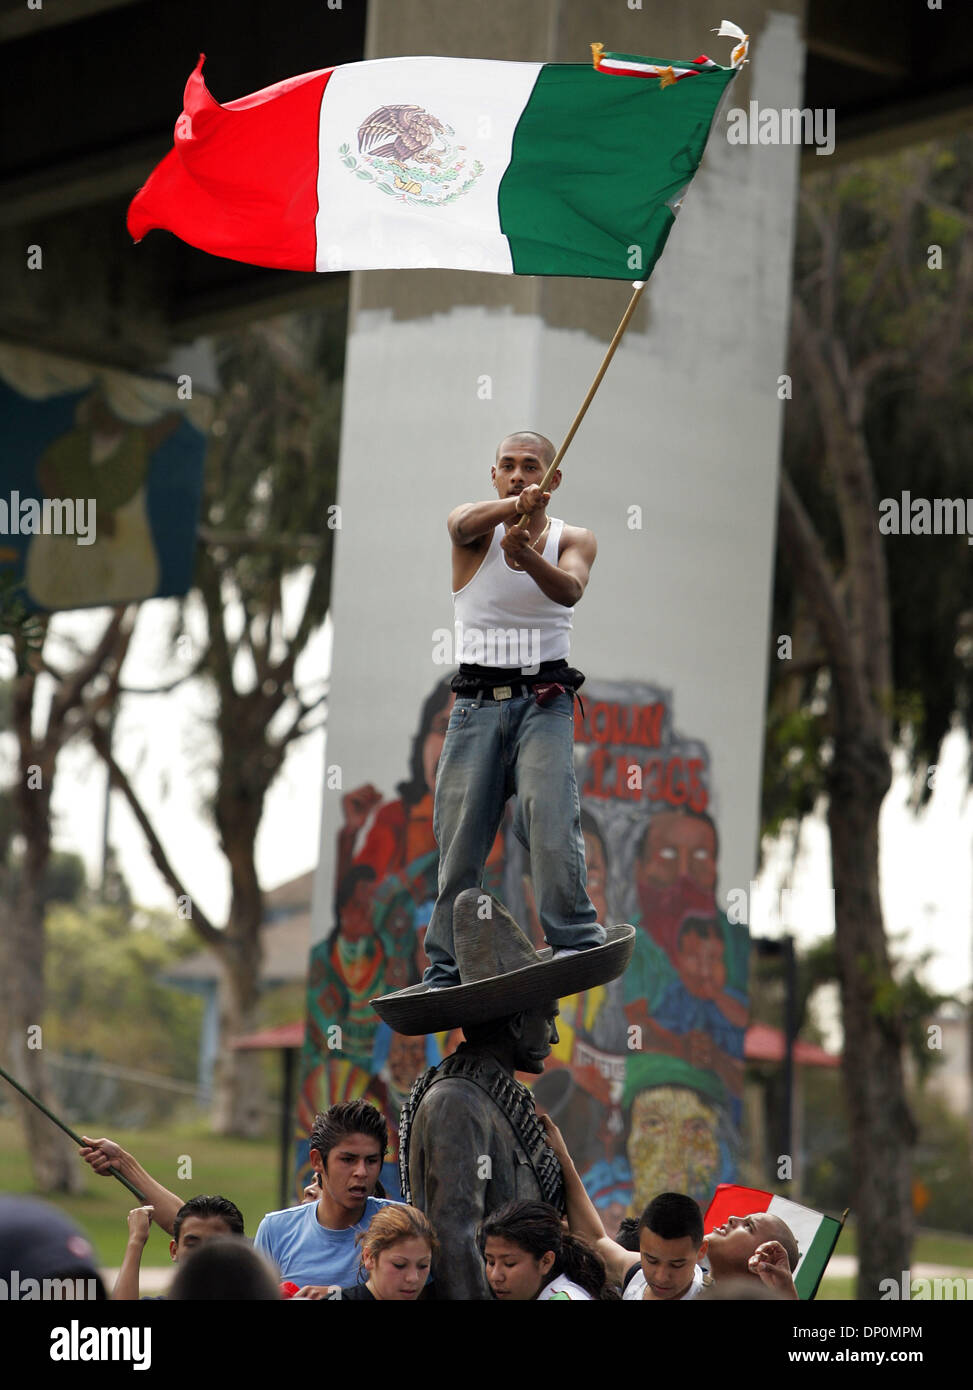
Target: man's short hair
x,y
786,1238
350,1117
203,1206
673,1216
547,448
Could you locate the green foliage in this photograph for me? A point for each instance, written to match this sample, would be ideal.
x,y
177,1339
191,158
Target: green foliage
x,y
795,759
826,1173
941,1161
863,244
64,879
105,997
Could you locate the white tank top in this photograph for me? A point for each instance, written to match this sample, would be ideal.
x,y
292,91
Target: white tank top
x,y
501,616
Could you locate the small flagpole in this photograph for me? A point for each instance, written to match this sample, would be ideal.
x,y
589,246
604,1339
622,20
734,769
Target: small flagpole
x,y
69,1132
638,286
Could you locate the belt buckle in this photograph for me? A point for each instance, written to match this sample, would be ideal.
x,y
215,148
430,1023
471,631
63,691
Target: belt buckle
x,y
502,692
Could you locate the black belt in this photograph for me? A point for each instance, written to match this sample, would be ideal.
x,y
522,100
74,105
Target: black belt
x,y
494,694
497,675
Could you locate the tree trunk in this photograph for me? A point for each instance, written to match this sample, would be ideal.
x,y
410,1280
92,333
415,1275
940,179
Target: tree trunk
x,y
238,1091
881,1124
53,1158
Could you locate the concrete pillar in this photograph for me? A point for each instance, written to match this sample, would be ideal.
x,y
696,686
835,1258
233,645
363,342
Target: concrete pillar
x,y
686,426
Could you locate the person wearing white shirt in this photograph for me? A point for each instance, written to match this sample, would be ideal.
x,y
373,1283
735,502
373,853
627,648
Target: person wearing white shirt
x,y
670,1233
529,1257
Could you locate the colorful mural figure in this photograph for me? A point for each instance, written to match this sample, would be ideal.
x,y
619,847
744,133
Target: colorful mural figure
x,y
117,462
656,1059
646,1082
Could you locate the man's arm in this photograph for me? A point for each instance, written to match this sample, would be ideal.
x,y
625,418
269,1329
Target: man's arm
x,y
127,1283
467,523
564,582
583,1217
103,1154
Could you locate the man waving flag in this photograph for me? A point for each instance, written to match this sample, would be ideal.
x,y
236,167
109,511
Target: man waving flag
x,y
514,168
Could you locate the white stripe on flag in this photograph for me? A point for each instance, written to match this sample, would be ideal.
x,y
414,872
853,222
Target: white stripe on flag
x,y
360,227
802,1220
618,65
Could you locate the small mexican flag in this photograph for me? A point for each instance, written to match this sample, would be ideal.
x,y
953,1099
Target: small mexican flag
x,y
514,168
816,1235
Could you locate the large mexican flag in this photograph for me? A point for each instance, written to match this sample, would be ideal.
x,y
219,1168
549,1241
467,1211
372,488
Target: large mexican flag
x,y
516,168
816,1234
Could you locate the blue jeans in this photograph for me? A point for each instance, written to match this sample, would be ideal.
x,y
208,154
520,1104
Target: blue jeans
x,y
494,751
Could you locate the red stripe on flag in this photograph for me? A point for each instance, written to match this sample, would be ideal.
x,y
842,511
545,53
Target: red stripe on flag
x,y
734,1201
241,180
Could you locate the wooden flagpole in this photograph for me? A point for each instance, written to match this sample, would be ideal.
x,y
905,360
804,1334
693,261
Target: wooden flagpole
x,y
639,286
69,1132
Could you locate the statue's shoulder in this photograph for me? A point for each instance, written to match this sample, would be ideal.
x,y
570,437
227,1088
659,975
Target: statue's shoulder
x,y
457,1083
451,1094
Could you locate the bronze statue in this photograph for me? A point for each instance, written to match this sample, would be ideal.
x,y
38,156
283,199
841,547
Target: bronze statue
x,y
469,1136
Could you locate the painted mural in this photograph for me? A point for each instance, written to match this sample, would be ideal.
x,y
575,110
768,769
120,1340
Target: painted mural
x,y
646,1082
102,482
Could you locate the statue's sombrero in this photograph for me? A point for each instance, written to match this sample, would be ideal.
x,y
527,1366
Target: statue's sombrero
x,y
501,973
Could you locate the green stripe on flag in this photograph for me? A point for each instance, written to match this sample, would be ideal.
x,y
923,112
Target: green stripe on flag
x,y
815,1261
596,158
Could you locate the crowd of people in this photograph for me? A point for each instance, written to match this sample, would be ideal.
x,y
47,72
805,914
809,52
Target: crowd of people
x,y
347,1240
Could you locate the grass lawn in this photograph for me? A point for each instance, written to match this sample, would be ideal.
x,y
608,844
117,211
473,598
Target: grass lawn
x,y
245,1170
929,1247
832,1288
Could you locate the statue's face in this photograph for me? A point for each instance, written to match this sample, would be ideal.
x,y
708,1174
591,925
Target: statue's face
x,y
535,1031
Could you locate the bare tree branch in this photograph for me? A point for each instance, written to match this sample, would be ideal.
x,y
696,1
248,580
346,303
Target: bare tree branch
x,y
243,540
294,730
70,689
810,565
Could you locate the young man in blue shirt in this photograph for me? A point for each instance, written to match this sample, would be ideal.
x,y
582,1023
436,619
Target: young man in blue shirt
x,y
314,1245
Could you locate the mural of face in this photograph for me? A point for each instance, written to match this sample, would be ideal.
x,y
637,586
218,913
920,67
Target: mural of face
x,y
433,743
356,913
678,846
672,1144
407,1058
699,960
675,875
